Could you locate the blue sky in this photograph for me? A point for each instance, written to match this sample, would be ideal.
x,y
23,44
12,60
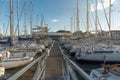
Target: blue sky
x,y
57,14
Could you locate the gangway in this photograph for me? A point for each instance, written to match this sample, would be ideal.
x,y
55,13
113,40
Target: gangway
x,y
55,66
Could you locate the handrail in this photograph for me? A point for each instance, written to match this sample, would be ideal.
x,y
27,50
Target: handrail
x,y
80,71
40,69
23,70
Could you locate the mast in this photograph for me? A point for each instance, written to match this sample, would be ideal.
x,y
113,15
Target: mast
x,y
77,17
110,19
31,16
71,24
11,20
87,16
18,18
25,32
108,22
74,23
96,21
4,29
41,20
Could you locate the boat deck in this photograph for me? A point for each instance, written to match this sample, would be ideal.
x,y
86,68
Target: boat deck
x,y
54,64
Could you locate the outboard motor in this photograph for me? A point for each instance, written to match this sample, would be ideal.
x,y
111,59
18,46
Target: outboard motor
x,y
7,54
24,54
78,53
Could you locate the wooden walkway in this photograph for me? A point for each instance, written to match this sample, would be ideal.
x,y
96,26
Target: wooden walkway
x,y
54,64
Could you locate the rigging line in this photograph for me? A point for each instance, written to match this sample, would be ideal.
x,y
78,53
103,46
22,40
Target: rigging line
x,y
105,13
99,24
3,6
91,16
83,22
20,17
97,19
74,21
21,12
90,21
7,26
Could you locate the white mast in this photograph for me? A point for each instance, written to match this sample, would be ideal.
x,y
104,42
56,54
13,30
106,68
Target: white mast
x,y
18,18
96,21
31,16
74,23
42,18
25,32
110,19
77,17
87,16
11,20
71,23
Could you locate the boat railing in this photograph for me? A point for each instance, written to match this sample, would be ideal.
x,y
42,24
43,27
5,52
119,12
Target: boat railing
x,y
39,73
72,70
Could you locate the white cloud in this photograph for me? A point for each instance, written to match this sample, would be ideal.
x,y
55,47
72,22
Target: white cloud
x,y
55,20
100,7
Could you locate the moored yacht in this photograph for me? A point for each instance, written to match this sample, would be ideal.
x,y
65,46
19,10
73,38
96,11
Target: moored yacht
x,y
99,54
106,73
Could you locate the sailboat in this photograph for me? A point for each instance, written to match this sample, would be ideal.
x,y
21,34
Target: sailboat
x,y
12,62
99,53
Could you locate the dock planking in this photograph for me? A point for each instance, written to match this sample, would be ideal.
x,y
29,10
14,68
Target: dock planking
x,y
54,64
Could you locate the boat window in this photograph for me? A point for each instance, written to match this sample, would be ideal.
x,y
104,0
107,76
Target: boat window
x,y
103,51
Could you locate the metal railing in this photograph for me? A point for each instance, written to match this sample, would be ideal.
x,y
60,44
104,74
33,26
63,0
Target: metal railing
x,y
69,68
40,71
23,70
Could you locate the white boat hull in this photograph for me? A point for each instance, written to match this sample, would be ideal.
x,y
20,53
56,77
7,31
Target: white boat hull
x,y
20,54
15,62
2,72
100,57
